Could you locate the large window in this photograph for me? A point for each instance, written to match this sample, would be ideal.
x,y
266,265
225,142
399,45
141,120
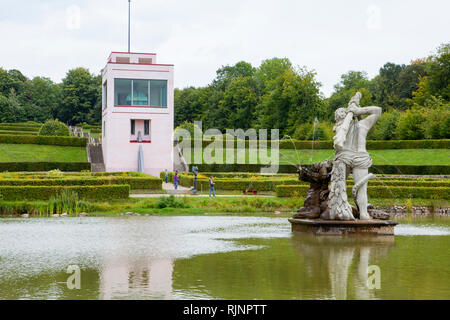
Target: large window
x,y
128,92
158,93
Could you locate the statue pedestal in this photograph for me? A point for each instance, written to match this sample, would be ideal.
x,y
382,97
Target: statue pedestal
x,y
338,227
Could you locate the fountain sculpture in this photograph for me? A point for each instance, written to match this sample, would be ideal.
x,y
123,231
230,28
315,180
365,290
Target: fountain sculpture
x,y
326,208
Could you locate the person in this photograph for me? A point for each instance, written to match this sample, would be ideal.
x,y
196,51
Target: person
x,y
211,186
166,176
175,180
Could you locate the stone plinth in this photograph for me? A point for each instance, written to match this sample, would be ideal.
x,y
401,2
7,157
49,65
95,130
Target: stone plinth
x,y
337,227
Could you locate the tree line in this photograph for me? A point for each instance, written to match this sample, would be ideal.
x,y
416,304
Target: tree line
x,y
275,95
77,99
414,98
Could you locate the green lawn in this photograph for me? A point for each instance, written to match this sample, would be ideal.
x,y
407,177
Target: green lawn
x,y
41,153
379,157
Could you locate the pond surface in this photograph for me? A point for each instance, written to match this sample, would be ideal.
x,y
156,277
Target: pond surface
x,y
211,257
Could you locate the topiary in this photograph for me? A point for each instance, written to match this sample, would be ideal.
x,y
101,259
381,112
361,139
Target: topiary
x,y
54,128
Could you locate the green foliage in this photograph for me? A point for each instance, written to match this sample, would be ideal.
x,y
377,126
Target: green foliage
x,y
54,128
379,169
148,183
43,140
171,202
386,128
44,166
81,97
382,192
322,131
410,125
106,192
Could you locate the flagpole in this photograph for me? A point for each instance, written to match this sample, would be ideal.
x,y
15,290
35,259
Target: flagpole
x,y
129,17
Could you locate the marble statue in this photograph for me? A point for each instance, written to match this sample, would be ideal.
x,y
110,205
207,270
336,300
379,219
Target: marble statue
x,y
351,157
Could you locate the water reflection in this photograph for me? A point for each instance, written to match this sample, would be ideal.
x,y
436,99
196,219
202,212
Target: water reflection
x,y
341,262
217,258
145,278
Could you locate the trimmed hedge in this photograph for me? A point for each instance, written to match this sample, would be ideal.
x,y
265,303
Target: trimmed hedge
x,y
19,127
379,169
111,192
44,166
133,182
381,192
43,140
19,133
328,144
22,124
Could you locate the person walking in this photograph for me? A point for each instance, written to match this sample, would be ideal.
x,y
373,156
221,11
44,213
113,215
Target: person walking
x,y
175,180
166,176
211,187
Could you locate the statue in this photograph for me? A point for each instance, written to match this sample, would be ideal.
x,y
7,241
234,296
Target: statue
x,y
195,171
351,157
316,201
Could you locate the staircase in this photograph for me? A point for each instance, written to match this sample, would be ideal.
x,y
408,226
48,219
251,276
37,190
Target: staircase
x,y
95,157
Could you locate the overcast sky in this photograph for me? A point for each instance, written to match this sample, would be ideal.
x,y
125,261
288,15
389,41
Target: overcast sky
x,y
49,37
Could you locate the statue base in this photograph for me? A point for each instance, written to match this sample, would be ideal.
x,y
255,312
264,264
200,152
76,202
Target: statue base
x,y
338,227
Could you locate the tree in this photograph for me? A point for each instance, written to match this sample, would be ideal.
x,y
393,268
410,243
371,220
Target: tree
x,y
227,74
294,101
351,82
269,70
238,104
43,96
410,125
80,97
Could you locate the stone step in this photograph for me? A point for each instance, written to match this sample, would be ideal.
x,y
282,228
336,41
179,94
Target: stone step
x,y
97,167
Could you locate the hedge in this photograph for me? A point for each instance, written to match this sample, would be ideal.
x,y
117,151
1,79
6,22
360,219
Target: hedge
x,y
270,183
111,192
380,169
44,174
19,133
19,128
44,166
133,182
22,124
381,192
43,140
328,144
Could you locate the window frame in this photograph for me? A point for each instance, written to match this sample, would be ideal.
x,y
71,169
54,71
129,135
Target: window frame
x,y
148,93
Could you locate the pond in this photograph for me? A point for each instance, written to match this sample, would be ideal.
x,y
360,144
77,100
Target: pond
x,y
216,257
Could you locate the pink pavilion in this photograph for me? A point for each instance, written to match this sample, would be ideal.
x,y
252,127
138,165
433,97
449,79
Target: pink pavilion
x,y
137,113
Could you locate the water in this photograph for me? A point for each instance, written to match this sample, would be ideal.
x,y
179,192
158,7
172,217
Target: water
x,y
211,257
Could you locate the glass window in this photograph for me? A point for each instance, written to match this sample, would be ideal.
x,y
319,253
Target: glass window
x,y
105,95
146,127
104,128
133,127
158,93
122,92
140,92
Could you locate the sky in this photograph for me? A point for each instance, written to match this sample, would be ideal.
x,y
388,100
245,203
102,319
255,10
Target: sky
x,y
49,37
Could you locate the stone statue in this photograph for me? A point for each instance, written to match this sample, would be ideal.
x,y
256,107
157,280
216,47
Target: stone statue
x,y
316,201
351,157
195,171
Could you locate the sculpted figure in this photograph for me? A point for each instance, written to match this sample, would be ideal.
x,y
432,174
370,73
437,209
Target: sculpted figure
x,y
351,157
317,198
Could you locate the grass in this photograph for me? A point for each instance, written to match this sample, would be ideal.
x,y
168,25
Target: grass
x,y
41,153
379,157
242,206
